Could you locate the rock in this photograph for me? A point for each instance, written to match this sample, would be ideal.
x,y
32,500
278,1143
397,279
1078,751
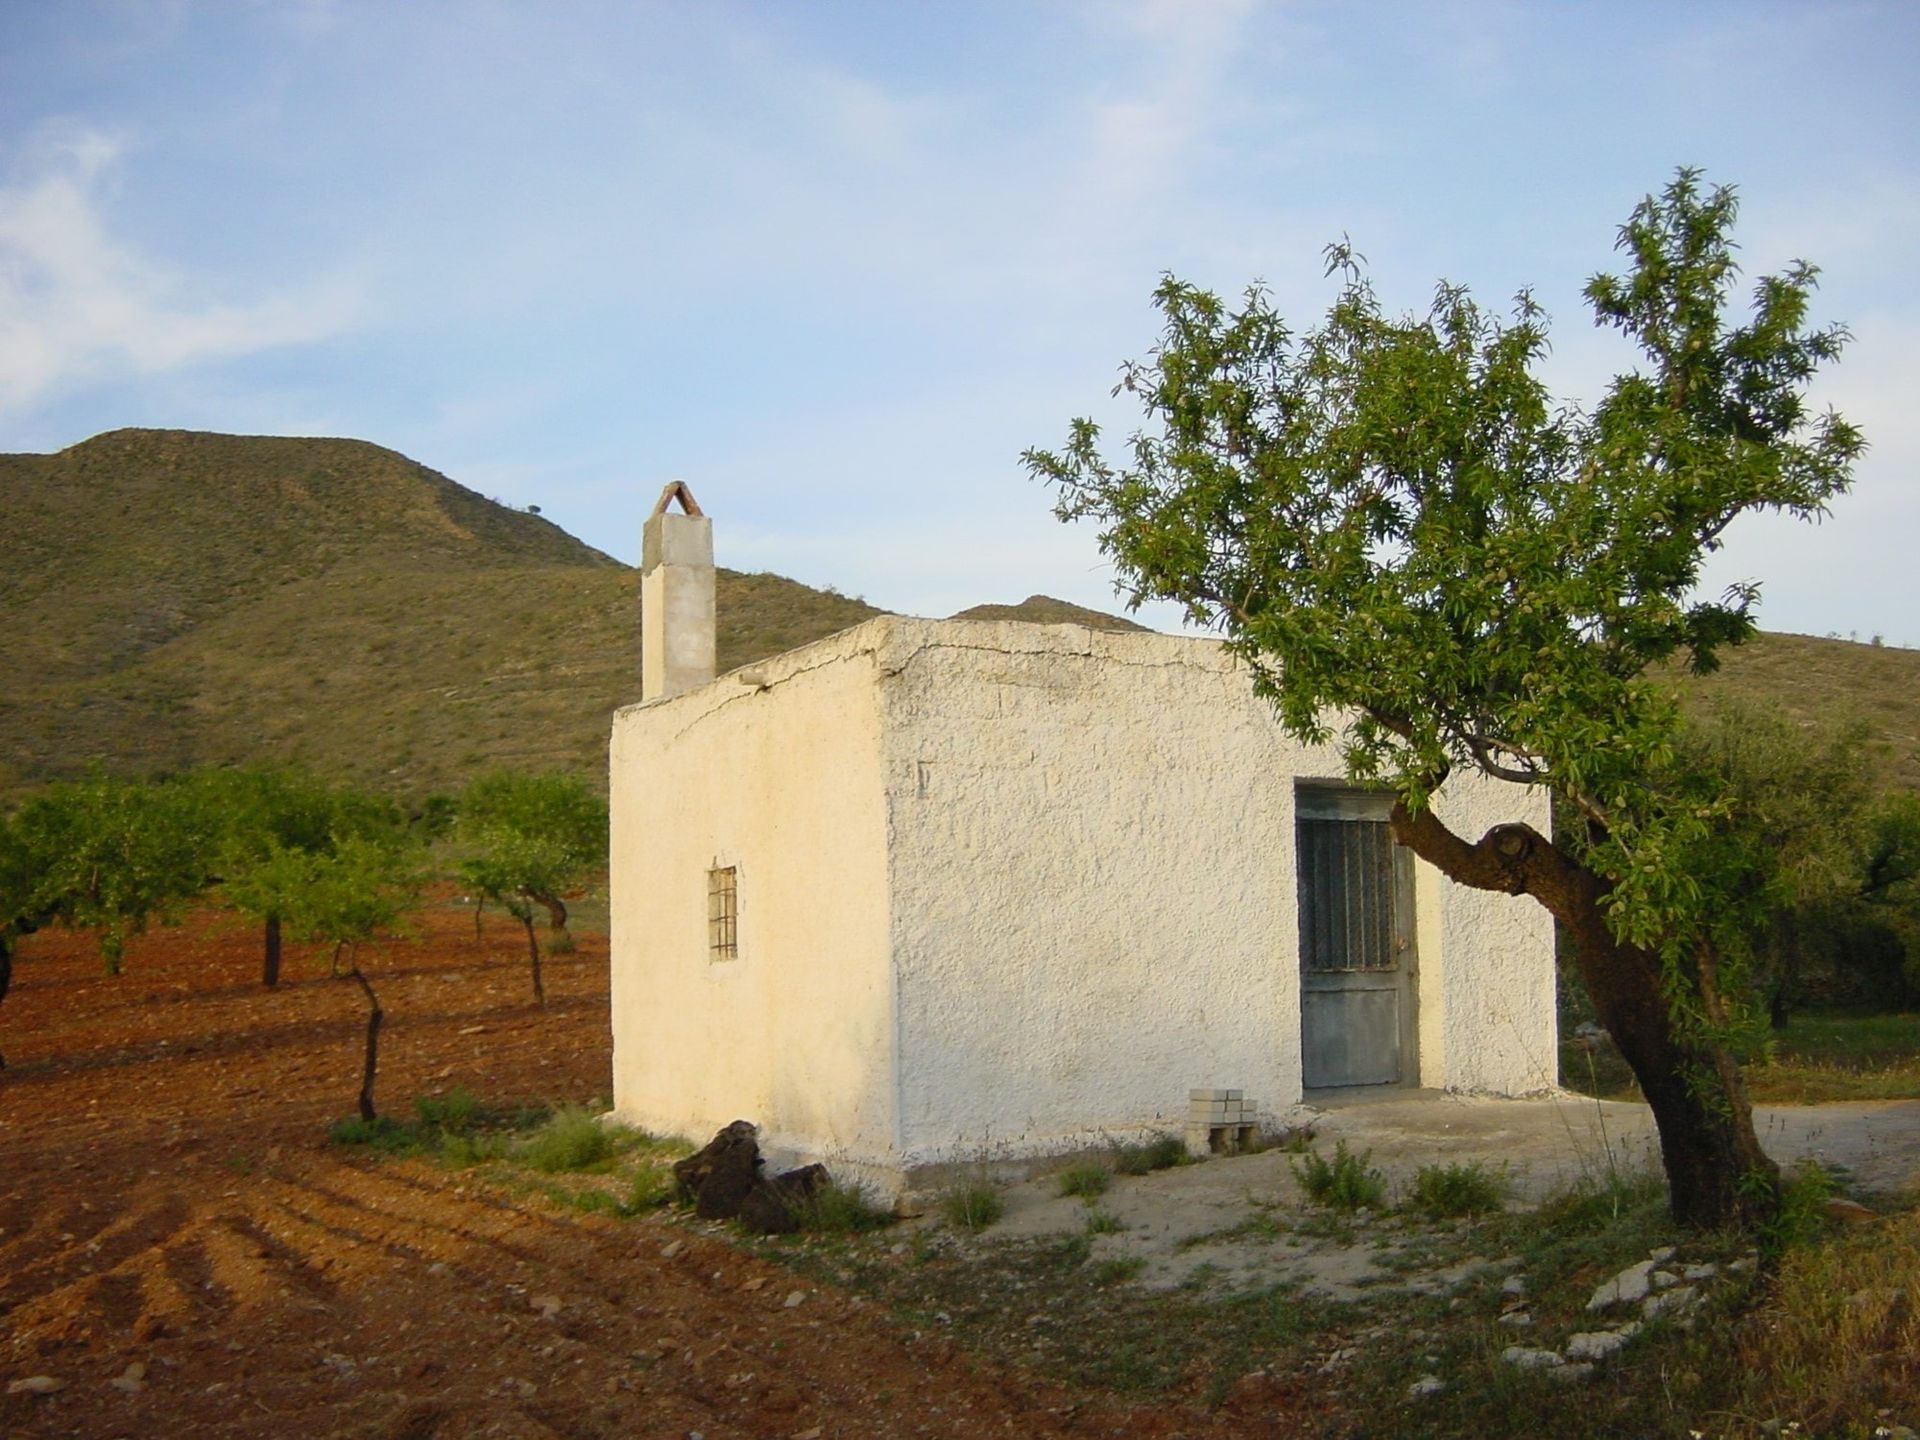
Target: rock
x,y
719,1177
131,1380
547,1305
1700,1272
1514,1285
1599,1344
1663,1279
1847,1212
1521,1358
439,1267
771,1206
795,1298
36,1385
1629,1285
672,1248
1660,1254
1426,1385
1572,1374
1678,1298
1517,1319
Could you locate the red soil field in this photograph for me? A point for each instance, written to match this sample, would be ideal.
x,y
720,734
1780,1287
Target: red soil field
x,y
184,1252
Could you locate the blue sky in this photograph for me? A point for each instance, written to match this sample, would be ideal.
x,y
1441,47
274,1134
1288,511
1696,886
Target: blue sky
x,y
836,265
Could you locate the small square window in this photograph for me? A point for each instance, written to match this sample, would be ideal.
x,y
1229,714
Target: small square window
x,y
723,913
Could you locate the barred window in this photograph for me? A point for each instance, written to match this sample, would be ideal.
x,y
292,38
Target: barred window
x,y
723,913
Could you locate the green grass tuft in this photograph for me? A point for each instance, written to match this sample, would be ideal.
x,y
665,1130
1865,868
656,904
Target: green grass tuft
x,y
838,1208
1451,1191
1346,1182
1163,1152
1089,1180
972,1205
573,1139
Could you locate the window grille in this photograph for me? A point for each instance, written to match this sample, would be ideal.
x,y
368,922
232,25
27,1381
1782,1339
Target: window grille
x,y
1347,878
723,913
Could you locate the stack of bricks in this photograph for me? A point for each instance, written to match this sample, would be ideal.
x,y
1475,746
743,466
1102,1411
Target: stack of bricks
x,y
1219,1122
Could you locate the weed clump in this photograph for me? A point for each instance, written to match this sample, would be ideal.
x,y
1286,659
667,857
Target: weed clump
x,y
1087,1180
1104,1222
454,1113
1451,1191
1346,1182
573,1139
972,1205
838,1208
1163,1152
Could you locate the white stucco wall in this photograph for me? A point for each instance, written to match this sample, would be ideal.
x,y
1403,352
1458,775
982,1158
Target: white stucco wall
x,y
1094,903
796,1034
1488,1021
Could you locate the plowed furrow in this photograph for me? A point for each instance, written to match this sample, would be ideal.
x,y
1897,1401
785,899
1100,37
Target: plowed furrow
x,y
65,1256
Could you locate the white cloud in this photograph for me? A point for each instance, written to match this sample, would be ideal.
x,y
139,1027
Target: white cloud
x,y
77,303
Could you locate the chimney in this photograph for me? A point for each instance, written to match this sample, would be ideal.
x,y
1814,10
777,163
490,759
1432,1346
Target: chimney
x,y
676,597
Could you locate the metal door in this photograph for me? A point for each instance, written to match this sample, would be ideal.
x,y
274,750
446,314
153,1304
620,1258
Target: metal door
x,y
1358,1021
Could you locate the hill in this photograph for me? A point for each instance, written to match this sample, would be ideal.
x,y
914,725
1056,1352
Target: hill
x,y
1045,610
172,598
175,598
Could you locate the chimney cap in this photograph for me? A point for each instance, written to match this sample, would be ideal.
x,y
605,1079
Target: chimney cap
x,y
677,490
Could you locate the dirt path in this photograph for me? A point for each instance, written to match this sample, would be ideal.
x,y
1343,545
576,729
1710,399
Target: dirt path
x,y
183,1251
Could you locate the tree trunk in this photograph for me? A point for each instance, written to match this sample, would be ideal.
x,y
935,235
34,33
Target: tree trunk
x,y
1717,1174
6,973
533,957
556,909
372,1061
270,956
479,909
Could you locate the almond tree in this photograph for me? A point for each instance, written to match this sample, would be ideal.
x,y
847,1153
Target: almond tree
x,y
260,815
1423,556
112,855
531,839
344,896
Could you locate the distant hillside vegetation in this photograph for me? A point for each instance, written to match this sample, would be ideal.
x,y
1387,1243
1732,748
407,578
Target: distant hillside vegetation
x,y
172,599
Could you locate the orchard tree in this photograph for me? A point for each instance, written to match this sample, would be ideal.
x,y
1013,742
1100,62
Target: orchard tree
x,y
112,855
22,908
1832,856
343,896
531,839
261,816
1422,556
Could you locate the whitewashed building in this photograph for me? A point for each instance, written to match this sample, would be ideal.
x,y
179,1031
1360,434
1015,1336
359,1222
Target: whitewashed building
x,y
927,892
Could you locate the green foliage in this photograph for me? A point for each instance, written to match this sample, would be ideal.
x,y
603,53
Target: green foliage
x,y
1103,1222
1346,1182
357,889
1118,1270
572,1139
1392,517
382,1133
1829,859
972,1205
1163,1152
454,1113
1089,1180
109,855
1456,1190
841,1209
1801,1218
530,838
